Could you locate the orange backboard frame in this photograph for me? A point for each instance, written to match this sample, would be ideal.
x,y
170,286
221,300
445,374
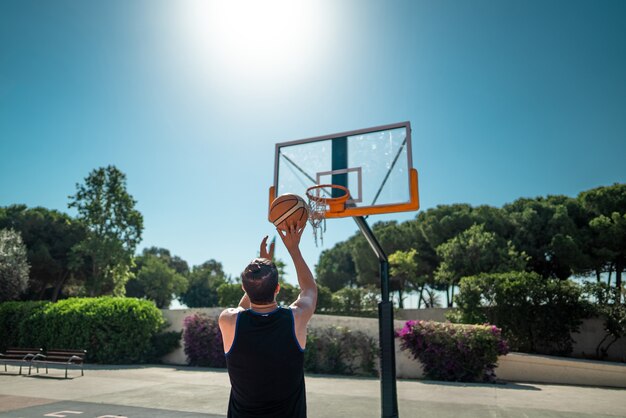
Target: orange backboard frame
x,y
411,205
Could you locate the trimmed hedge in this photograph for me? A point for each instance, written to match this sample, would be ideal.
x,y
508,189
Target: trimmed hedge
x,y
338,350
537,315
113,330
331,350
454,352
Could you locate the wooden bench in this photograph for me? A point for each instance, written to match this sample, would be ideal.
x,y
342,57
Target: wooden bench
x,y
19,357
60,358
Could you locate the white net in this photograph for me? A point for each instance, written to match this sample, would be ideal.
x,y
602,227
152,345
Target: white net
x,y
317,214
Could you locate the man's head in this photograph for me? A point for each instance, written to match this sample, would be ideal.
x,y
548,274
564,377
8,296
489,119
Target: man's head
x,y
260,281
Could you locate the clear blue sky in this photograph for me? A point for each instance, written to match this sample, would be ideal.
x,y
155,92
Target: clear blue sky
x,y
506,99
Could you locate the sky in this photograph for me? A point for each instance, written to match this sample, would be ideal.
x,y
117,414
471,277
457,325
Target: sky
x,y
506,99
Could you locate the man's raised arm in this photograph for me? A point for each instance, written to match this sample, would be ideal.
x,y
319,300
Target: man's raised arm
x,y
307,300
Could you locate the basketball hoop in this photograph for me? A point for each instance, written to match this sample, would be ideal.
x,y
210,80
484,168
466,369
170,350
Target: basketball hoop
x,y
319,205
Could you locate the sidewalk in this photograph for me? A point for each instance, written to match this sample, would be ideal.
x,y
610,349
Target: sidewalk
x,y
169,391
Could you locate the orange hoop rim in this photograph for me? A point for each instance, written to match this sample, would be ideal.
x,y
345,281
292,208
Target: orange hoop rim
x,y
335,204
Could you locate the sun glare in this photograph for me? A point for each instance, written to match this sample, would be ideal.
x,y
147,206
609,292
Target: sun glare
x,y
252,41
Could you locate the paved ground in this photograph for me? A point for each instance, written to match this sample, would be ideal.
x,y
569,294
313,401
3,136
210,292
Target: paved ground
x,y
186,392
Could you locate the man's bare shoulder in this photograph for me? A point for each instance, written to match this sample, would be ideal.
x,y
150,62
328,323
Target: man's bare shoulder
x,y
230,314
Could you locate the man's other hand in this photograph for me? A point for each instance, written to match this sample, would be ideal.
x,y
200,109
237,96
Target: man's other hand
x,y
264,253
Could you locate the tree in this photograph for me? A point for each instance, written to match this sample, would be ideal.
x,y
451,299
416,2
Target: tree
x,y
173,261
335,268
49,237
156,281
13,265
435,226
403,272
324,299
444,222
391,237
473,252
204,280
548,231
229,294
114,229
607,206
288,293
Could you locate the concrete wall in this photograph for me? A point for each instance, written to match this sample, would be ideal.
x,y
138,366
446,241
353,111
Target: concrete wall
x,y
405,366
516,367
175,318
591,333
519,367
431,314
585,341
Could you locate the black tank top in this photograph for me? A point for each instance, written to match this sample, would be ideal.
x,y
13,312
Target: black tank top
x,y
266,367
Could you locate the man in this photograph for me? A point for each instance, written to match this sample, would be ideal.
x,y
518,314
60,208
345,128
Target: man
x,y
264,343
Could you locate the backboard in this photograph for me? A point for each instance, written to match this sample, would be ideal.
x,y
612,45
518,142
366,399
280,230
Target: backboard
x,y
375,164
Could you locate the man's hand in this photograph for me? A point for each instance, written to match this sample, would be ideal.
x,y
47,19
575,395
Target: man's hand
x,y
264,253
291,237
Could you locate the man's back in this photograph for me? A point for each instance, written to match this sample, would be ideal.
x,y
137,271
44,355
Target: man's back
x,y
265,365
265,343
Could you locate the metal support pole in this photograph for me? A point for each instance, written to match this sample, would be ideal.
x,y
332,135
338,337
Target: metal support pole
x,y
389,398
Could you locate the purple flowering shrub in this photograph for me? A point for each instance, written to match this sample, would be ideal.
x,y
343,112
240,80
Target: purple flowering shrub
x,y
454,352
203,341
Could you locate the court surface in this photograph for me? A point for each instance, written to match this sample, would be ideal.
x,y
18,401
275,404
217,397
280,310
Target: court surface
x,y
188,392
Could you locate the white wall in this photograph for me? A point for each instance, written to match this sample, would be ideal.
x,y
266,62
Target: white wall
x,y
513,367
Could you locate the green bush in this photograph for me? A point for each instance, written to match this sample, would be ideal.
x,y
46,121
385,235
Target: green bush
x,y
454,352
162,344
537,315
12,315
337,350
331,350
605,303
355,302
112,330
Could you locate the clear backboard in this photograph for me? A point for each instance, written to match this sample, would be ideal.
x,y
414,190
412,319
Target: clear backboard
x,y
374,164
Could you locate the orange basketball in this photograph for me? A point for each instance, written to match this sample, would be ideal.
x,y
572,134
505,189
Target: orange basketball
x,y
289,209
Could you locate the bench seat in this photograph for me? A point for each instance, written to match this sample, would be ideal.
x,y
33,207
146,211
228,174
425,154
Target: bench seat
x,y
61,358
19,357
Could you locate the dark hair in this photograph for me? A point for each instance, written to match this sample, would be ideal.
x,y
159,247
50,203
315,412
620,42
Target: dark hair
x,y
260,279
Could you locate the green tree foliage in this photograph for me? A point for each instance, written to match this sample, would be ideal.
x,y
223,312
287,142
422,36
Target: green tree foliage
x,y
288,293
335,268
548,230
476,251
13,265
204,280
50,237
157,282
229,295
607,208
391,237
438,225
404,274
324,299
114,229
444,222
173,261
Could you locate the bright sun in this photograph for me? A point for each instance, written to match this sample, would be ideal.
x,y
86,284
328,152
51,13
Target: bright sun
x,y
254,41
